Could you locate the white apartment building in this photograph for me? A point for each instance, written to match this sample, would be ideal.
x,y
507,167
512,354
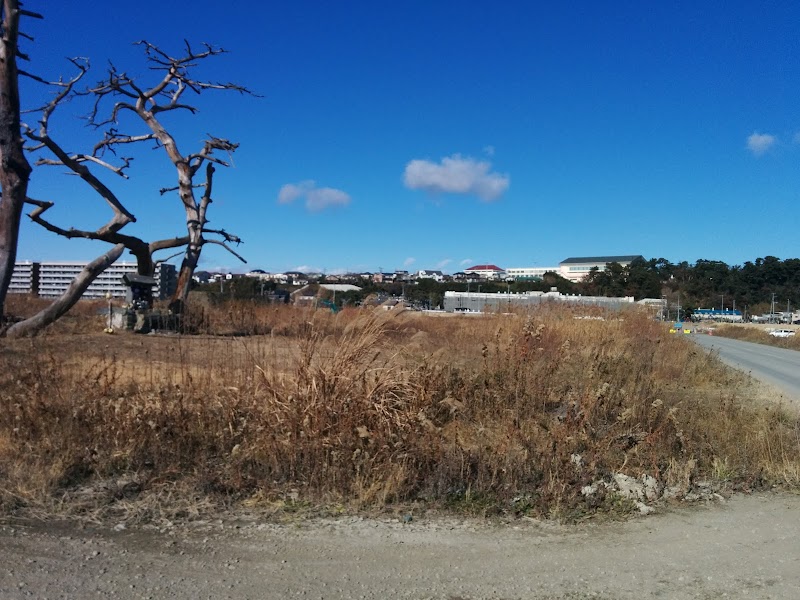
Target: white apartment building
x,y
24,278
51,279
529,273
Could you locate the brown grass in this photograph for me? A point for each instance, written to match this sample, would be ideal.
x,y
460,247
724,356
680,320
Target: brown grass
x,y
372,410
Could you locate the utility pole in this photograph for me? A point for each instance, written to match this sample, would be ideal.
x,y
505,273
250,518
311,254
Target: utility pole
x,y
772,309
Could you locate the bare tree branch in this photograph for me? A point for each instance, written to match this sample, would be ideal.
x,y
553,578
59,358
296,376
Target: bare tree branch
x,y
167,244
229,237
228,248
170,257
80,158
32,76
29,13
112,138
121,214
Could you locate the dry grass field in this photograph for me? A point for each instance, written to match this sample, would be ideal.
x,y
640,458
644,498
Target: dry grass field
x,y
360,410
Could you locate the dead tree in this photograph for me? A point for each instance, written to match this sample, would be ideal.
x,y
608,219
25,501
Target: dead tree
x,y
14,167
148,104
127,95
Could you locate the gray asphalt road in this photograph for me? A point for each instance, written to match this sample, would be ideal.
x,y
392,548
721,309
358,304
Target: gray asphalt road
x,y
776,366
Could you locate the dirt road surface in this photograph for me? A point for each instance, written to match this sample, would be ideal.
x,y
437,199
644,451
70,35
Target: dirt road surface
x,y
746,547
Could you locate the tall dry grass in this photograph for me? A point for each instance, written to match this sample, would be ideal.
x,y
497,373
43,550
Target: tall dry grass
x,y
515,413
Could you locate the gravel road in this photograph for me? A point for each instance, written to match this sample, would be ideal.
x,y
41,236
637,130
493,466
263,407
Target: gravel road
x,y
747,547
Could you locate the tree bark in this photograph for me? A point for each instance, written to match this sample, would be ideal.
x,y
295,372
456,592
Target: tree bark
x,y
57,309
14,167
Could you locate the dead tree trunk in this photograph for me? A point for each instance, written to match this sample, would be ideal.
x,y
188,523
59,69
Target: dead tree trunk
x,y
195,222
146,104
14,167
74,292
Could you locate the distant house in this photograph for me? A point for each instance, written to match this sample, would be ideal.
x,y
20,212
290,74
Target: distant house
x,y
428,274
339,287
219,276
577,268
278,296
396,276
201,276
308,295
296,278
489,272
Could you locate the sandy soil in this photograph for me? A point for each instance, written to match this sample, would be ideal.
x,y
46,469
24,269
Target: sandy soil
x,y
747,547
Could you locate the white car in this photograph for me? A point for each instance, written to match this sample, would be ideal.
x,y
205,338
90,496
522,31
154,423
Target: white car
x,y
782,333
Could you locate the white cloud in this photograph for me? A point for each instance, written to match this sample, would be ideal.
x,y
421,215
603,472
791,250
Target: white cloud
x,y
317,199
409,261
306,269
796,138
456,175
759,143
443,263
322,198
466,261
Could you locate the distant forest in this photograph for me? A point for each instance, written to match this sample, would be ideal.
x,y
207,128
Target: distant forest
x,y
705,284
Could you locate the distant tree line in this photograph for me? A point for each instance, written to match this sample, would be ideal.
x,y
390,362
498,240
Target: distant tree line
x,y
704,284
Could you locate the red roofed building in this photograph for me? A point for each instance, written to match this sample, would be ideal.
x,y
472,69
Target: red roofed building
x,y
486,271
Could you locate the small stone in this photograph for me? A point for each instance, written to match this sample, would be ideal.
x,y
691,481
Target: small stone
x,y
644,509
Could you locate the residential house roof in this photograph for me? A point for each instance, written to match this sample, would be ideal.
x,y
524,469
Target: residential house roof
x,y
484,268
340,287
600,259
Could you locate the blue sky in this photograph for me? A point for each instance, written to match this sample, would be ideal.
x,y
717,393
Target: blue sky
x,y
442,134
